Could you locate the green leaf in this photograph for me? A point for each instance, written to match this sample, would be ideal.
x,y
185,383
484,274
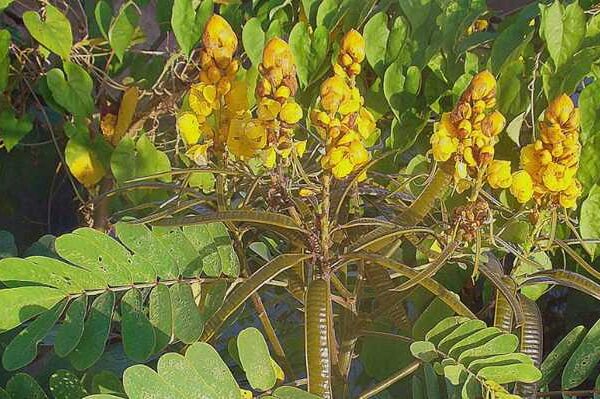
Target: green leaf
x,y
589,106
431,382
122,29
433,313
310,50
70,330
160,315
499,360
443,328
12,130
137,331
474,340
138,159
142,382
23,386
22,350
73,93
423,350
213,370
512,89
22,303
563,29
589,221
417,11
256,360
393,87
500,345
95,333
106,382
213,243
64,276
180,249
526,373
556,359
103,14
84,248
187,321
522,269
4,58
143,243
253,40
509,43
376,34
54,32
181,375
66,385
188,22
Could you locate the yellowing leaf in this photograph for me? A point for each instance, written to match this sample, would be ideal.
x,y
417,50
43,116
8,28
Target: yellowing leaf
x,y
126,112
245,394
107,126
84,163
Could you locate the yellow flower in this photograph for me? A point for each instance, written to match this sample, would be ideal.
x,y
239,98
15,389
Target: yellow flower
x,y
334,91
365,123
522,186
189,128
493,124
342,169
352,103
358,153
199,153
290,113
482,85
568,197
236,100
443,143
499,174
353,44
268,109
246,137
530,160
557,177
203,99
219,35
559,110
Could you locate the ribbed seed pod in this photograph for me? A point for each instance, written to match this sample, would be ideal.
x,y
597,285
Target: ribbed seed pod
x,y
317,333
531,342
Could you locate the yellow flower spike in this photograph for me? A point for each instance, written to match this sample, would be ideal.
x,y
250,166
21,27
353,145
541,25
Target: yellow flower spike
x,y
559,110
189,128
290,113
199,153
353,44
493,124
499,174
268,109
218,34
278,55
334,91
522,186
482,85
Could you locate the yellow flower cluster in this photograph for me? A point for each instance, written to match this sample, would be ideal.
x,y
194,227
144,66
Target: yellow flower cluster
x,y
352,54
341,119
276,113
217,91
469,133
551,162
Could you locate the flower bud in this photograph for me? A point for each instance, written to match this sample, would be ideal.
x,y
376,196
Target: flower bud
x,y
522,186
